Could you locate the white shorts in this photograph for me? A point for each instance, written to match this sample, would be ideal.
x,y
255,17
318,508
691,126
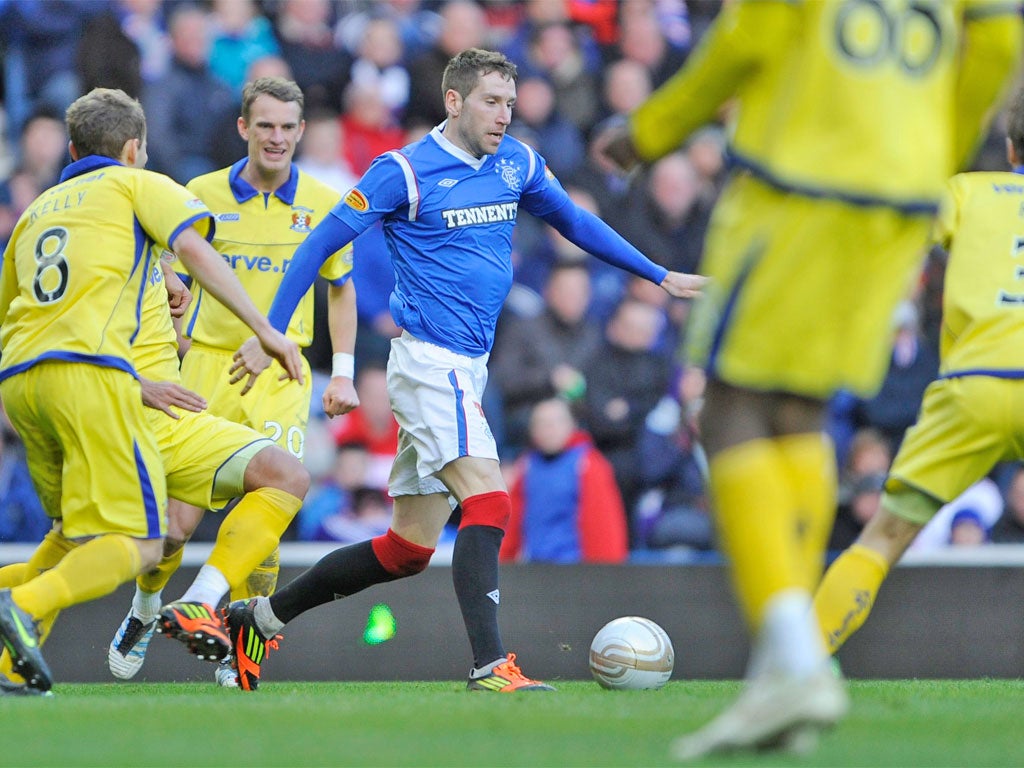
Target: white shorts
x,y
435,396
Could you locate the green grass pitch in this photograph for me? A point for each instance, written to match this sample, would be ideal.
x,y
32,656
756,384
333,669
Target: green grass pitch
x,y
893,723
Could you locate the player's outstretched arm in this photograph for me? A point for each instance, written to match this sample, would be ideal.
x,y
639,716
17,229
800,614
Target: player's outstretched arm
x,y
340,395
206,266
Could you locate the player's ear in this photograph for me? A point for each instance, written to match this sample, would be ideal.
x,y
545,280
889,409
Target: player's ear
x,y
302,130
243,129
130,152
1011,153
452,102
72,151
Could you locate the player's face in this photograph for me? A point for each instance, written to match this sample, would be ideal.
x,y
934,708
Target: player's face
x,y
480,120
273,132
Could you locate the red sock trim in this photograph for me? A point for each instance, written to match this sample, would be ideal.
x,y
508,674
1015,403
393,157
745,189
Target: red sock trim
x,y
491,509
398,556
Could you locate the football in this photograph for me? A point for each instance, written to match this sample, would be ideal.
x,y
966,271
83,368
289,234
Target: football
x,y
631,653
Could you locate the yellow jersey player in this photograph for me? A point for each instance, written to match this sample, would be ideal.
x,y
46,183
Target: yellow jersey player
x,y
208,461
846,117
264,207
70,290
972,415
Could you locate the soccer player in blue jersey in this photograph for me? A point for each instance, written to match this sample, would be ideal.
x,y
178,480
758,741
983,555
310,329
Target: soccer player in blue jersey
x,y
448,204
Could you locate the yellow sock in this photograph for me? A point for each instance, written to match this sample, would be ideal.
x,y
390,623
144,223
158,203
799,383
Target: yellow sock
x,y
92,570
263,579
847,593
754,512
12,575
810,463
51,550
156,580
250,532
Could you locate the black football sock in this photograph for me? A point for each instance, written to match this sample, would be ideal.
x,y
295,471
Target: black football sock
x,y
475,575
338,574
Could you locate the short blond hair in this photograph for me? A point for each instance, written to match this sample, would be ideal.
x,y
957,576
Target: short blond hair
x,y
275,87
102,121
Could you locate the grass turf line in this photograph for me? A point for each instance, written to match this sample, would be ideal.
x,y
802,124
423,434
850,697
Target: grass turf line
x,y
893,723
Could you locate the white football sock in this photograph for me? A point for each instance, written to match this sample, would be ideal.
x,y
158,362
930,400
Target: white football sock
x,y
210,586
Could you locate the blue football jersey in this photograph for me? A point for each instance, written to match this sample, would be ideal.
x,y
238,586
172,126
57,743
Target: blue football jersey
x,y
448,219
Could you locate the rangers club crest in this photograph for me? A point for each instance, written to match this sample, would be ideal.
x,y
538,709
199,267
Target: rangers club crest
x,y
302,219
509,173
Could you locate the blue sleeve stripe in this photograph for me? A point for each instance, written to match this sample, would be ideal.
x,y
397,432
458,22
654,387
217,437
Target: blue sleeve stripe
x,y
411,185
189,222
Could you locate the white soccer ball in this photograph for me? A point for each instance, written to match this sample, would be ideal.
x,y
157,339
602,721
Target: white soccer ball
x,y
631,653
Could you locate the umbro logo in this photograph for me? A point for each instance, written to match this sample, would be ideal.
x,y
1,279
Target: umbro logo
x,y
447,182
494,595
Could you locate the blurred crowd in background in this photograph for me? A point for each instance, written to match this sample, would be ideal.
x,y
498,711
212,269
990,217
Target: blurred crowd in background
x,y
594,410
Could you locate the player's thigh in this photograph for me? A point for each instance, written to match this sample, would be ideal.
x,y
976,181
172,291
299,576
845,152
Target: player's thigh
x,y
436,399
802,291
276,409
205,457
89,422
421,518
966,425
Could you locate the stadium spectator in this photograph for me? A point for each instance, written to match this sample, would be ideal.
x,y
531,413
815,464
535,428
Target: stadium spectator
x,y
968,529
982,501
320,153
860,485
241,35
642,39
555,55
672,508
538,121
536,358
463,25
912,367
318,65
566,507
40,42
378,65
667,215
418,25
181,145
127,47
369,126
343,507
625,380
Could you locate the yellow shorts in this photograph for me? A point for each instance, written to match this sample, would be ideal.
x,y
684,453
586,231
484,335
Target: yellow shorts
x,y
802,291
204,456
966,426
276,409
89,448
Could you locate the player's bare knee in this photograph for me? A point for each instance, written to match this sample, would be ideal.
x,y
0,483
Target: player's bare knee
x,y
276,468
150,553
173,545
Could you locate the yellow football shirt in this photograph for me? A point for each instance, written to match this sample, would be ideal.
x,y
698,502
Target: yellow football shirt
x,y
815,81
74,270
257,235
981,223
155,351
